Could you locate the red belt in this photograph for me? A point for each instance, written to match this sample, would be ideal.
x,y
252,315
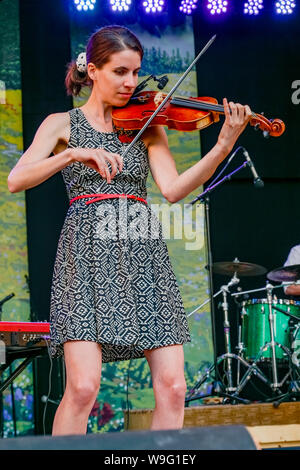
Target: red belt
x,y
99,197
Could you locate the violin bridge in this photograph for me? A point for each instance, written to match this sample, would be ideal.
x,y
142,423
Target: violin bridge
x,y
159,97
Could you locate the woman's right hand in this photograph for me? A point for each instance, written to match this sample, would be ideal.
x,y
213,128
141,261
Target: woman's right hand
x,y
98,159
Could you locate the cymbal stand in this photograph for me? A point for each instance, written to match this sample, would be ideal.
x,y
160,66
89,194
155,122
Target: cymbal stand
x,y
226,324
240,350
269,289
272,344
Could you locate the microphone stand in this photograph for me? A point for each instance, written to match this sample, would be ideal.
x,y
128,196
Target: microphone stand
x,y
202,196
217,386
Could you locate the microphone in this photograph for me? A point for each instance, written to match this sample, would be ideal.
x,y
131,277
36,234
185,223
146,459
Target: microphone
x,y
162,82
258,182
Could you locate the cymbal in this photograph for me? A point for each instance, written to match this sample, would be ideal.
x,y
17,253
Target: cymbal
x,y
238,267
285,274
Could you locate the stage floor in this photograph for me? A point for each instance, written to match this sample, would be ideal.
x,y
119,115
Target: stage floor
x,y
270,427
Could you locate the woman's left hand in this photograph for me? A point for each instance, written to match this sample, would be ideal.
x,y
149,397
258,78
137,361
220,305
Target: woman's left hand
x,y
237,117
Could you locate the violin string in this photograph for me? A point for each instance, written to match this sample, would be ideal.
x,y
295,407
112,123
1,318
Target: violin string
x,y
190,102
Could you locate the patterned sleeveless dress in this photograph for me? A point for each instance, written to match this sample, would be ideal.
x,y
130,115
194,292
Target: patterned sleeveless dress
x,y
113,282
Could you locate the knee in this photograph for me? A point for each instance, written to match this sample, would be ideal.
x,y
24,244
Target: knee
x,y
172,388
83,393
178,391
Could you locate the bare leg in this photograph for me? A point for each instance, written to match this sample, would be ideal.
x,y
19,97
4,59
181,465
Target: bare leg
x,y
83,361
169,386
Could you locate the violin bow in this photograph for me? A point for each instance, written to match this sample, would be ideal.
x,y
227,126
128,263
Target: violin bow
x,y
136,138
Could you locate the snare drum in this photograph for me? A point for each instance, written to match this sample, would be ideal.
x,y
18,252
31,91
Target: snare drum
x,y
256,328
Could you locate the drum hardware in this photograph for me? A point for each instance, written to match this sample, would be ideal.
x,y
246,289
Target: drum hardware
x,y
267,349
270,302
218,387
293,392
228,356
269,289
241,351
253,369
236,294
241,348
258,360
242,269
271,344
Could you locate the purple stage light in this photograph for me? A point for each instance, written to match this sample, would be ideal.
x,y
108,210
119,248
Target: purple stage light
x,y
217,7
84,5
120,5
188,6
285,7
253,7
153,6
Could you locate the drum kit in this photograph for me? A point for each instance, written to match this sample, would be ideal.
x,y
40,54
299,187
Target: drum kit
x,y
268,338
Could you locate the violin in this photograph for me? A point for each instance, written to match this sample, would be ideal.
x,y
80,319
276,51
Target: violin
x,y
182,114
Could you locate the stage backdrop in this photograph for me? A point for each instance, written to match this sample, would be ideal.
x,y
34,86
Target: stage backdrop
x,y
13,242
169,49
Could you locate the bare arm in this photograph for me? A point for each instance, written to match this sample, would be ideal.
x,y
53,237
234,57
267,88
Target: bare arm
x,y
34,166
292,290
175,187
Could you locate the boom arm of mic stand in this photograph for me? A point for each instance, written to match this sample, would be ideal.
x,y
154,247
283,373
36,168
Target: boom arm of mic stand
x,y
202,196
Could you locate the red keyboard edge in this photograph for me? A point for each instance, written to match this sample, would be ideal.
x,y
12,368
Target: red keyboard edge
x,y
32,327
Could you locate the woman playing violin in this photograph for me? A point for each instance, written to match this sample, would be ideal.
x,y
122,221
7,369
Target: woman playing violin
x,y
114,298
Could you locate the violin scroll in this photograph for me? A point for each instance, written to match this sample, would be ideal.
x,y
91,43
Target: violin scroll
x,y
272,127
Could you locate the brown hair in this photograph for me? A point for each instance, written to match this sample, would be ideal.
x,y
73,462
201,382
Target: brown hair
x,y
101,45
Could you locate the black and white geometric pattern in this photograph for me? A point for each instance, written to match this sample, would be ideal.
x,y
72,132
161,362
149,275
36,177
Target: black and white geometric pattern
x,y
115,289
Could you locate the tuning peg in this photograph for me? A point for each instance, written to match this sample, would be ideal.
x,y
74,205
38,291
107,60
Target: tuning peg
x,y
266,134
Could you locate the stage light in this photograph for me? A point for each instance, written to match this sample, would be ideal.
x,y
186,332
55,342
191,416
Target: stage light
x,y
84,5
253,7
285,7
217,7
120,5
188,6
153,6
